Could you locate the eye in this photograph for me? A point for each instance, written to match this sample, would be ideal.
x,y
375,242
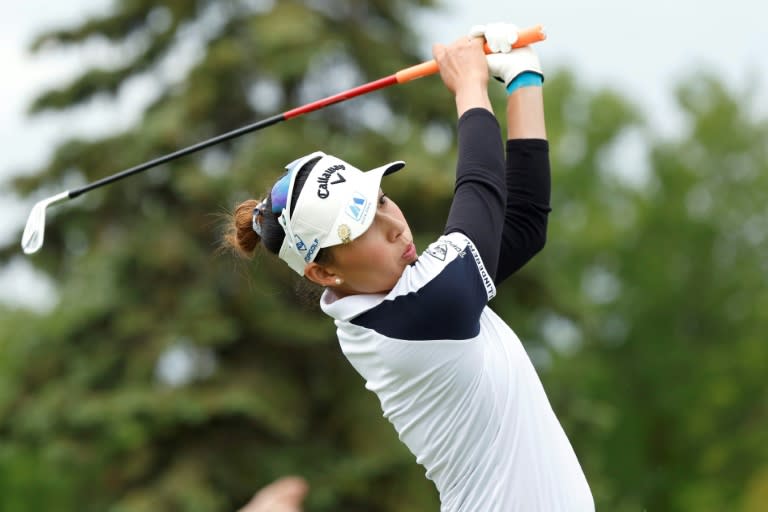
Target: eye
x,y
382,199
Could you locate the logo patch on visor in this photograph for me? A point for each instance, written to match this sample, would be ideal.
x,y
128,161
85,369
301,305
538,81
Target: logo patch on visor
x,y
345,234
300,245
312,249
357,207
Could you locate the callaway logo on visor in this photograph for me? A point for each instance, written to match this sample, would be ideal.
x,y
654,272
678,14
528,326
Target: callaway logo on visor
x,y
324,180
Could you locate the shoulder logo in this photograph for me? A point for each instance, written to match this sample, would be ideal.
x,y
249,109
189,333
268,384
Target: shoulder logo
x,y
459,250
438,251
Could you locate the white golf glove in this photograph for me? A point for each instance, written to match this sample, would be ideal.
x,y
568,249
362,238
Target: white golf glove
x,y
499,36
506,62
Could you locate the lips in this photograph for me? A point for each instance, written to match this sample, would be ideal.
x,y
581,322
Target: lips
x,y
410,252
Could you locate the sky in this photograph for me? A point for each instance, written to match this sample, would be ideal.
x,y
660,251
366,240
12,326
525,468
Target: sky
x,y
639,48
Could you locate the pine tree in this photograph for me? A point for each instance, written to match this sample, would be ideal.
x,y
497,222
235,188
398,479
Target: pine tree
x,y
266,391
645,314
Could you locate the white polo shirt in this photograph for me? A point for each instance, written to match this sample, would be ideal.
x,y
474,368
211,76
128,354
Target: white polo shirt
x,y
459,388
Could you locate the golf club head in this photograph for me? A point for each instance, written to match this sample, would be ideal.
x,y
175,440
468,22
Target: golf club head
x,y
32,238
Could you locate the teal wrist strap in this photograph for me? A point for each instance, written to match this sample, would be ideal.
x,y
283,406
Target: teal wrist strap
x,y
525,79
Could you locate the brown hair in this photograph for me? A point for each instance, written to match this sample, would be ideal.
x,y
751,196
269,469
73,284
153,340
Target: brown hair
x,y
239,234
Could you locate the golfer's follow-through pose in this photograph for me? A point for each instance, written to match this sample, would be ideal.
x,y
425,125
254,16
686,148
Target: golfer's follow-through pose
x,y
450,375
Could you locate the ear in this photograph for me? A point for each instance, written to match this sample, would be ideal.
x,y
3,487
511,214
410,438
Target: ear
x,y
320,274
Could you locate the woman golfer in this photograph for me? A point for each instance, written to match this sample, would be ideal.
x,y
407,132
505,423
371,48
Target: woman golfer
x,y
451,376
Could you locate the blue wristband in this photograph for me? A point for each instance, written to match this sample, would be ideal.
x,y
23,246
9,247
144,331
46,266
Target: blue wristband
x,y
525,79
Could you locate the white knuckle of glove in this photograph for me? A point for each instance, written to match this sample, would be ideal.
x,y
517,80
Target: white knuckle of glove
x,y
499,36
506,66
477,31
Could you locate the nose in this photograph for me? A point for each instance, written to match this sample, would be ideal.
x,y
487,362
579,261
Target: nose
x,y
392,225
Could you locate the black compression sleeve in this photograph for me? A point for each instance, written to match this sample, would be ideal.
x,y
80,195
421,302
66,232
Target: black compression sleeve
x,y
480,194
528,195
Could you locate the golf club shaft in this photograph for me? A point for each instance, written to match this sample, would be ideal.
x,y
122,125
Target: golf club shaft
x,y
525,37
178,154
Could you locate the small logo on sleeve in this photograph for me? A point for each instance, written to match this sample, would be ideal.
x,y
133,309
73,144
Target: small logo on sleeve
x,y
438,251
490,288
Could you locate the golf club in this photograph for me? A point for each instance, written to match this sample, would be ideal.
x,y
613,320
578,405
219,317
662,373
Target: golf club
x,y
32,238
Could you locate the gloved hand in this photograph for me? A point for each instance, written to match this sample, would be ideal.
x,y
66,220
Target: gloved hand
x,y
499,36
506,63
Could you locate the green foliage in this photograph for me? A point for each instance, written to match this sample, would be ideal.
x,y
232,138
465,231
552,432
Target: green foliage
x,y
140,277
661,290
645,313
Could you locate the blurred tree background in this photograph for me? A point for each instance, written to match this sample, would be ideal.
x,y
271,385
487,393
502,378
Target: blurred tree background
x,y
171,376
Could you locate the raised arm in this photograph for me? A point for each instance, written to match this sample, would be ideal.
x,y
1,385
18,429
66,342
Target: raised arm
x,y
477,209
527,168
528,182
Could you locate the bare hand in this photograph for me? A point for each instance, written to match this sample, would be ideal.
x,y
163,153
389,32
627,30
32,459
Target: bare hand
x,y
283,495
464,70
462,64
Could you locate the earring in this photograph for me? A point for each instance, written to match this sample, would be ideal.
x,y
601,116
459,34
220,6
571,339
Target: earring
x,y
338,281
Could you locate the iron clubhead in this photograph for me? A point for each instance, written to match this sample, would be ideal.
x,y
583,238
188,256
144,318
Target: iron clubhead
x,y
32,238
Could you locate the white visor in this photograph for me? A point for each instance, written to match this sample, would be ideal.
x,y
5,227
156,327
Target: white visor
x,y
337,204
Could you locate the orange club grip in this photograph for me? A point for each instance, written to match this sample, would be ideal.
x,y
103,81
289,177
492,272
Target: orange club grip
x,y
525,37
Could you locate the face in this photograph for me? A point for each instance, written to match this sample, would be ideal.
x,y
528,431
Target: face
x,y
374,261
